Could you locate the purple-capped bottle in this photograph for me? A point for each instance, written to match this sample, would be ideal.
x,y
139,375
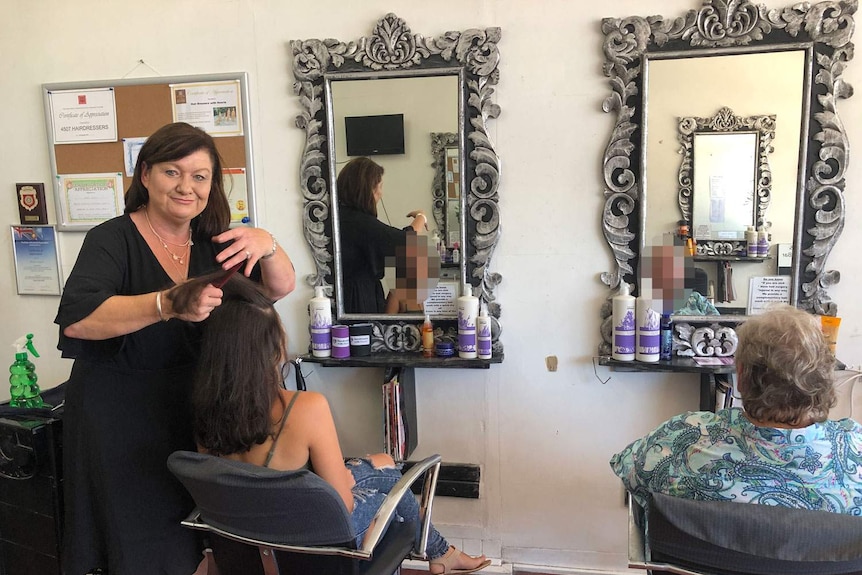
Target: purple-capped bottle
x,y
623,318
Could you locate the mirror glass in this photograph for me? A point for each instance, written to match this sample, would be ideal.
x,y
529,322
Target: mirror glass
x,y
443,87
428,104
682,182
785,62
723,191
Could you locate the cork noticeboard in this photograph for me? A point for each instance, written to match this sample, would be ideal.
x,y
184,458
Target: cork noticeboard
x,y
143,105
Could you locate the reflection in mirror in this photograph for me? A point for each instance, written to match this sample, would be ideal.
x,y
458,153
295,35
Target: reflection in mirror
x,y
732,182
375,75
425,105
785,62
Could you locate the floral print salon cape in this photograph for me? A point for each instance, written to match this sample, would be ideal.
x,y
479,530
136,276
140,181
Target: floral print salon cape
x,y
724,457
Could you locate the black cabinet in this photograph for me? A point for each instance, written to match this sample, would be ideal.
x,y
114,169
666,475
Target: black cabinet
x,y
31,496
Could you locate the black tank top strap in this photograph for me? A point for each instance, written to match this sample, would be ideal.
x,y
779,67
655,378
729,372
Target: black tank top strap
x,y
280,428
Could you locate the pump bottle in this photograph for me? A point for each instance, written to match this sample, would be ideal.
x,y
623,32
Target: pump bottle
x,y
468,309
623,317
751,239
483,333
24,391
320,322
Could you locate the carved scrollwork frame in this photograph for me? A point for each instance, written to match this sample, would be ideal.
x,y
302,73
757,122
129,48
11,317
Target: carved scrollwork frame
x,y
824,29
394,50
725,121
439,142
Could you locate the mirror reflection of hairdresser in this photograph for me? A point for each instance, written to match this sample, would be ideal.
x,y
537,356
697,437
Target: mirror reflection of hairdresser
x,y
366,242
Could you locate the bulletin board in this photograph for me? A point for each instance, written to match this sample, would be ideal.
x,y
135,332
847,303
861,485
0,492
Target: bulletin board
x,y
141,106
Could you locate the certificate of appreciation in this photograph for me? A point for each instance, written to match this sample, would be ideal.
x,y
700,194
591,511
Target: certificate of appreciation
x,y
83,116
90,199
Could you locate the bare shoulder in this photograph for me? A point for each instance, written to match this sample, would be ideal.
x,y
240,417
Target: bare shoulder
x,y
307,401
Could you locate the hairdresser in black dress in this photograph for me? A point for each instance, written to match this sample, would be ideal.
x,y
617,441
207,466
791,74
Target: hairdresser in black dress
x,y
366,242
127,399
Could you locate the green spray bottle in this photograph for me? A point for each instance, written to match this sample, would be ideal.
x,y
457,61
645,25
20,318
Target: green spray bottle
x,y
23,387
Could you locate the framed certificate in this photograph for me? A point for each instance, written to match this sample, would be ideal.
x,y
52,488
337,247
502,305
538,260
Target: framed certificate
x,y
37,260
86,200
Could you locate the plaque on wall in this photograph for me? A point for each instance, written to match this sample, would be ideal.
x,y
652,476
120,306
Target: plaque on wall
x,y
31,204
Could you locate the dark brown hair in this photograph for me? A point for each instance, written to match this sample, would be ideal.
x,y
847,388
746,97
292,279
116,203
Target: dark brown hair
x,y
785,367
237,379
174,142
356,183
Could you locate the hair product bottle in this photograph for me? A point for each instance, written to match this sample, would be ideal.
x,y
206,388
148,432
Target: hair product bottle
x,y
666,338
468,310
762,243
483,333
751,242
623,317
427,337
648,331
320,321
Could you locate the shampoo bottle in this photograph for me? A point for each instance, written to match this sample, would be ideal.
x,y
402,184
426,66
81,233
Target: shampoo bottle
x,y
648,331
483,333
751,242
23,390
468,309
320,321
623,317
762,243
427,337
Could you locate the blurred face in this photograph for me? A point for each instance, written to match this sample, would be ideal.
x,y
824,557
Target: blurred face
x,y
179,190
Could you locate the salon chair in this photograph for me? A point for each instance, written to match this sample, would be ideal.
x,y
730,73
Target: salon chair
x,y
726,538
262,521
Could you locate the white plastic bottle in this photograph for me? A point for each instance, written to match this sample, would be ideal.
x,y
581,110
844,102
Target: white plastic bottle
x,y
762,243
483,333
468,310
623,317
320,321
648,331
751,242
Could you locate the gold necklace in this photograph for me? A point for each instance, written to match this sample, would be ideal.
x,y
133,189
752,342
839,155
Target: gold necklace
x,y
180,259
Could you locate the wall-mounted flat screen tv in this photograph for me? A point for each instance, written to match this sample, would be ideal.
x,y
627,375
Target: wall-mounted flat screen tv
x,y
374,135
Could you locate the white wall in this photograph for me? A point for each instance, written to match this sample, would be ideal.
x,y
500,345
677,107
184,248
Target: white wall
x,y
543,439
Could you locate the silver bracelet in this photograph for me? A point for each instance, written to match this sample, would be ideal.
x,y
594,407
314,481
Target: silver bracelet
x,y
159,305
274,248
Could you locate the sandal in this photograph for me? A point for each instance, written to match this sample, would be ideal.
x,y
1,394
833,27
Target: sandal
x,y
448,560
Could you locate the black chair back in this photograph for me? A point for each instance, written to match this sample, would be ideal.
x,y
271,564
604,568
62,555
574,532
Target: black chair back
x,y
727,538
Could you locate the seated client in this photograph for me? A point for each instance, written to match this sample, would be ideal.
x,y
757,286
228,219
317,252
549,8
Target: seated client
x,y
778,448
242,412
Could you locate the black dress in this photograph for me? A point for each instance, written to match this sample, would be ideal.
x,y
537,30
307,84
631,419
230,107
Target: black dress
x,y
366,242
126,411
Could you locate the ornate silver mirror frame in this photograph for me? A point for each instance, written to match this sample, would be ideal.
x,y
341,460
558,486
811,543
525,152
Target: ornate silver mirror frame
x,y
393,50
439,142
824,29
726,122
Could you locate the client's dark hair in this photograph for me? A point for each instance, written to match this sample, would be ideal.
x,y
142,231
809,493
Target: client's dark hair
x,y
237,378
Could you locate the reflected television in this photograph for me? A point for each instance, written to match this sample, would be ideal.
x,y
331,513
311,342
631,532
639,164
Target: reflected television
x,y
374,135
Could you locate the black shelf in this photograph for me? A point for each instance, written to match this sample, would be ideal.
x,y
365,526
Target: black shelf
x,y
403,359
677,364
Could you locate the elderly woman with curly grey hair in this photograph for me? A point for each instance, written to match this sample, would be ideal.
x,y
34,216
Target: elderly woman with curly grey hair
x,y
779,448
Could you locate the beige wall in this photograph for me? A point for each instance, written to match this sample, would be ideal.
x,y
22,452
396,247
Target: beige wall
x,y
543,439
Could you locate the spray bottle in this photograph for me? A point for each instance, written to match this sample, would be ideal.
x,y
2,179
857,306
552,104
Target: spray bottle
x,y
23,387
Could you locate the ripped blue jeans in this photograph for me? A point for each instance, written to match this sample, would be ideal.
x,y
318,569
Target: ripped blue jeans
x,y
372,486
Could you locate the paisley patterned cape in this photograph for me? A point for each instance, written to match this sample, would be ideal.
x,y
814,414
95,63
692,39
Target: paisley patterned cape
x,y
722,456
